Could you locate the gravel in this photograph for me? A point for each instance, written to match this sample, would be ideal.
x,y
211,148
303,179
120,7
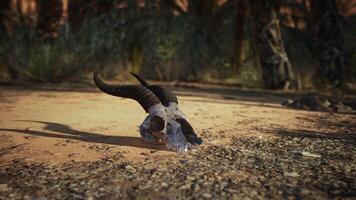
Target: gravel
x,y
246,168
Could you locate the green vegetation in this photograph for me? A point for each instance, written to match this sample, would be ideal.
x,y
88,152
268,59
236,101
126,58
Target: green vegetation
x,y
167,44
29,57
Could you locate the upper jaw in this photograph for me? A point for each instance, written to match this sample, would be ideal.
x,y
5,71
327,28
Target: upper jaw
x,y
180,148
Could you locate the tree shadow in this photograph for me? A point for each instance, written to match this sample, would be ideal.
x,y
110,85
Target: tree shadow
x,y
235,102
66,132
347,138
262,98
237,94
343,130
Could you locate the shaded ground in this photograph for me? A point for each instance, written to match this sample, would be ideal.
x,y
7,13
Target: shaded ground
x,y
74,145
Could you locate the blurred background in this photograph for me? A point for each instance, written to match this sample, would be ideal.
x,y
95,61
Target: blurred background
x,y
275,44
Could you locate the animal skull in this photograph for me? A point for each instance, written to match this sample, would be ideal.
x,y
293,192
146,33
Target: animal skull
x,y
165,121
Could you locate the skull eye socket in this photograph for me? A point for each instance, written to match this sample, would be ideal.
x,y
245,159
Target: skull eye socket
x,y
157,124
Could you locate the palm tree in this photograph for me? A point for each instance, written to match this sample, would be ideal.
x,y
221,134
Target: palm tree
x,y
81,10
276,67
5,9
241,13
329,41
49,18
346,6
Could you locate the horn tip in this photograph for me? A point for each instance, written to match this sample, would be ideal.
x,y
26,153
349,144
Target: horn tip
x,y
96,75
134,75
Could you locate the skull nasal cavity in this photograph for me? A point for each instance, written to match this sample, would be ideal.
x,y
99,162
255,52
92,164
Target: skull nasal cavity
x,y
157,124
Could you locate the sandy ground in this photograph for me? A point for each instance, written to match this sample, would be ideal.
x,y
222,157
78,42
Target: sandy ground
x,y
57,127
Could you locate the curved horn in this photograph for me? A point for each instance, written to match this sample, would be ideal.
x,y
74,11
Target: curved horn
x,y
137,92
164,95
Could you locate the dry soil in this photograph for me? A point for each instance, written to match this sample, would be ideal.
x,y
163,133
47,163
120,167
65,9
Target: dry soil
x,y
85,144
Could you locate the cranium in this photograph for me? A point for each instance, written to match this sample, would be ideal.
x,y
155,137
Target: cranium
x,y
165,121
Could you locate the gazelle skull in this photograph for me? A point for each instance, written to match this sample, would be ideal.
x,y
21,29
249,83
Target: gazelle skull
x,y
165,121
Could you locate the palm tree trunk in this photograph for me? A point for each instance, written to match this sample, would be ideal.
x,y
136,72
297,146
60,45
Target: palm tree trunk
x,y
49,18
276,67
5,10
329,42
241,11
81,10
